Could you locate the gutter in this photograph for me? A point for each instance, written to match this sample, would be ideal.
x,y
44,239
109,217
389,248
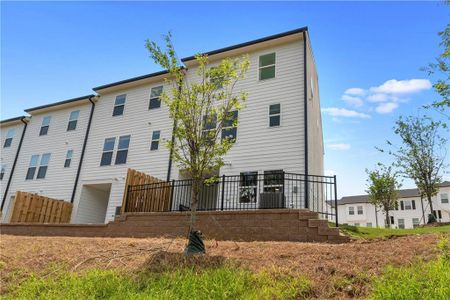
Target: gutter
x,y
305,115
83,150
14,163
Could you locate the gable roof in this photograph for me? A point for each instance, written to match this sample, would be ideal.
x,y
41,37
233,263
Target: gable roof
x,y
406,193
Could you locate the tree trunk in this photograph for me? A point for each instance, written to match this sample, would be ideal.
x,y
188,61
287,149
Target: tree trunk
x,y
430,202
388,221
194,203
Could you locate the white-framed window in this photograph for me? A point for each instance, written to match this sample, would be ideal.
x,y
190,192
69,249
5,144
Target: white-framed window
x,y
415,222
274,115
267,66
119,105
2,171
248,187
229,127
437,214
407,204
108,150
360,209
369,224
401,223
209,124
68,159
9,137
351,210
32,167
43,166
444,198
156,135
45,125
155,97
73,119
122,149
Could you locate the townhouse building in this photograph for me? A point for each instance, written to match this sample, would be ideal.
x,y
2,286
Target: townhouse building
x,y
411,210
125,125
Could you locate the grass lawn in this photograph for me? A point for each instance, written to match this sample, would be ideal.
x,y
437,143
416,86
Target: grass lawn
x,y
383,233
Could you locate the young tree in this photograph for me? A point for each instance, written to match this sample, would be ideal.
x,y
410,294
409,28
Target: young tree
x,y
421,156
205,112
382,188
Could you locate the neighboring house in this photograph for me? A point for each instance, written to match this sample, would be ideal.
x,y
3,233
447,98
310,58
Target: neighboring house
x,y
11,138
411,210
280,129
51,150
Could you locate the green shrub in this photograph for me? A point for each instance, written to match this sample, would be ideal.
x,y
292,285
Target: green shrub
x,y
217,283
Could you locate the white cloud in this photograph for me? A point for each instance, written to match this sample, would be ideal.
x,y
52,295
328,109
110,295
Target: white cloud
x,y
409,86
352,100
378,98
355,91
385,108
343,112
339,146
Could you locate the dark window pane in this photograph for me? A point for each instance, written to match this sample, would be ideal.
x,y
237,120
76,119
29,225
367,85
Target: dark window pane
x,y
106,159
229,120
274,109
154,145
109,144
273,177
156,92
72,125
266,73
266,60
121,157
41,172
120,100
124,142
67,163
44,130
30,173
156,134
154,103
209,122
230,133
118,110
7,143
274,121
2,174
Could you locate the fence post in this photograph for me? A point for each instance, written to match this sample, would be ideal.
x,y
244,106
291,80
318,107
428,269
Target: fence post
x,y
284,199
172,187
335,201
127,198
223,191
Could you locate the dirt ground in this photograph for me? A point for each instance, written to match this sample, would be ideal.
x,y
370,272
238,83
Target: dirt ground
x,y
336,270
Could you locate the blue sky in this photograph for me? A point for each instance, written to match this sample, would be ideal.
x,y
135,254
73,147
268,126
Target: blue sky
x,y
368,55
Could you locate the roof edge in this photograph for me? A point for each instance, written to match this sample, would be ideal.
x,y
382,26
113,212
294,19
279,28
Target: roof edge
x,y
105,86
12,119
59,103
260,40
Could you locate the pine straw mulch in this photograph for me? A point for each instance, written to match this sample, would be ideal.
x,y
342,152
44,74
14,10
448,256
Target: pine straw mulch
x,y
340,271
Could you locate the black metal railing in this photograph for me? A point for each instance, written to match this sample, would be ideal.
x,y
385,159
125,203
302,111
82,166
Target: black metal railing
x,y
248,191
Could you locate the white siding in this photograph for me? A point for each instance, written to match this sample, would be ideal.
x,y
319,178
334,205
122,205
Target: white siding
x,y
8,154
59,181
92,206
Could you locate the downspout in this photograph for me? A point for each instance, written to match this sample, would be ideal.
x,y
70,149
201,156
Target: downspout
x,y
376,215
14,163
83,149
305,115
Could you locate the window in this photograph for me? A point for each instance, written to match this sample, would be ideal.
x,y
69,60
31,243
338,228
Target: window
x,y
274,115
392,220
248,187
273,181
9,137
229,128
108,149
68,160
45,125
369,225
408,205
444,198
267,66
401,223
155,140
155,97
360,210
351,210
2,171
122,150
73,119
216,77
119,105
209,124
437,214
45,158
32,167
415,222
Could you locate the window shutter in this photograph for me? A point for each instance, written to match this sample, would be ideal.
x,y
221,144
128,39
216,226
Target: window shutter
x,y
402,205
413,204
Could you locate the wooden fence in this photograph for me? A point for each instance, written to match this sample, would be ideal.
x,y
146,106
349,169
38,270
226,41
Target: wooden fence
x,y
33,208
145,200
